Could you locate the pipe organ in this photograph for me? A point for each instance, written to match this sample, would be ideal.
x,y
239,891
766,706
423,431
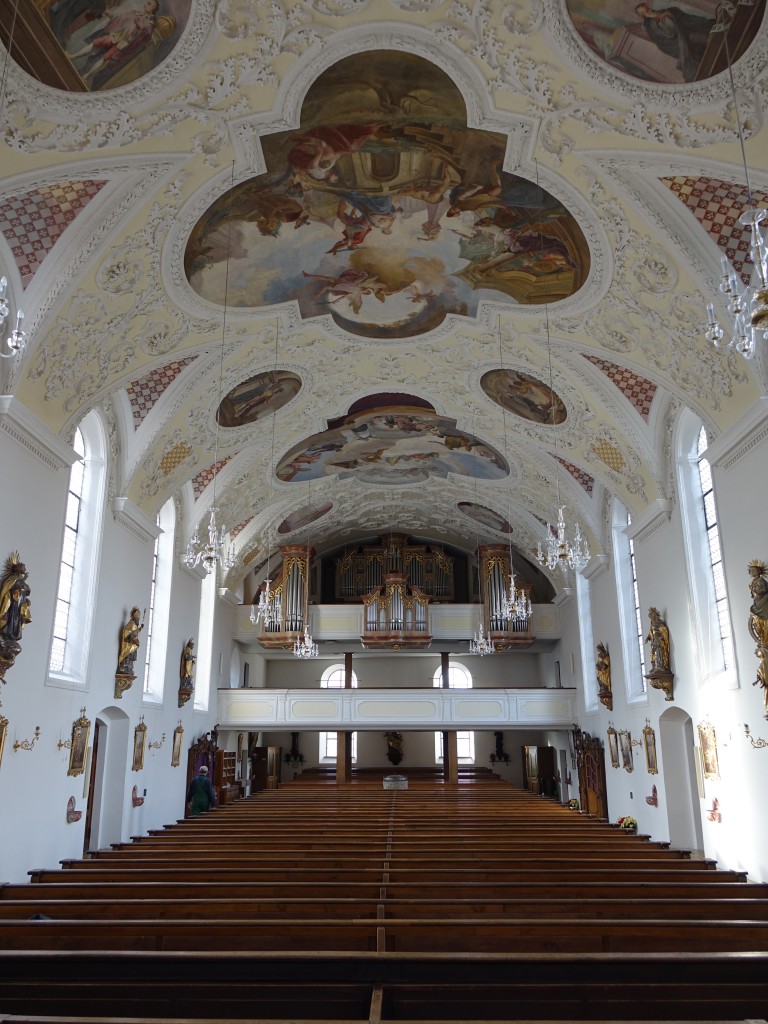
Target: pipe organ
x,y
426,567
396,616
495,571
287,619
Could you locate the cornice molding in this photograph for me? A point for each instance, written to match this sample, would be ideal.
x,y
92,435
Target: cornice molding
x,y
595,567
31,433
134,520
652,518
741,437
564,595
228,597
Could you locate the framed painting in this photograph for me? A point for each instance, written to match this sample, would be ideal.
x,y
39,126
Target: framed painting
x,y
613,747
3,733
708,744
78,749
649,743
139,741
178,737
625,748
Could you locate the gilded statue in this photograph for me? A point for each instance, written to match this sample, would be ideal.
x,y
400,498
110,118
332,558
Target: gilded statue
x,y
14,610
603,669
394,746
186,672
758,622
660,675
129,649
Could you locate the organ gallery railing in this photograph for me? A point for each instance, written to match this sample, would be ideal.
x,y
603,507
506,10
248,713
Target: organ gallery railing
x,y
424,566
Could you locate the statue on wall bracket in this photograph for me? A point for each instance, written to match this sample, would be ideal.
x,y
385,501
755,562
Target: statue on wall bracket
x,y
186,672
660,677
758,623
128,652
603,669
14,610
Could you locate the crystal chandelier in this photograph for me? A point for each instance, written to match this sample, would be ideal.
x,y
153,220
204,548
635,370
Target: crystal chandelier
x,y
480,643
746,306
305,647
561,553
515,604
17,339
213,552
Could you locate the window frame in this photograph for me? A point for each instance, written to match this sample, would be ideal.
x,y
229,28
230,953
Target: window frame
x,y
464,737
328,682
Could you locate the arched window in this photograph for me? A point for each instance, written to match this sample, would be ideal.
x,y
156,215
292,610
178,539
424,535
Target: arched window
x,y
158,613
459,678
80,554
630,617
333,679
711,618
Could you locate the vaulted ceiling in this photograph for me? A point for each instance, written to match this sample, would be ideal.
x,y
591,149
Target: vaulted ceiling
x,y
363,265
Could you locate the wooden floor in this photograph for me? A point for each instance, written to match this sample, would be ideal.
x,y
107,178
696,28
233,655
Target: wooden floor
x,y
315,902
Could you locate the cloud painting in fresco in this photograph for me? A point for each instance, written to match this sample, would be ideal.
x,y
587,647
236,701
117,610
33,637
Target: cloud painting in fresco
x,y
524,395
304,516
392,446
384,211
673,43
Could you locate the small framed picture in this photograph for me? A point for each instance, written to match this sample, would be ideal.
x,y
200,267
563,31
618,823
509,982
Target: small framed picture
x,y
178,738
625,747
613,747
139,739
81,730
3,733
649,742
708,744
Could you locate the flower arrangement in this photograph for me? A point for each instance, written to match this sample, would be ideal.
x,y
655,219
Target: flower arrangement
x,y
573,803
627,823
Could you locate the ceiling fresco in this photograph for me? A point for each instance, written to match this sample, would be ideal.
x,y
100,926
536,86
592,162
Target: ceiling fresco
x,y
392,446
258,396
484,515
525,396
304,516
109,43
386,212
664,42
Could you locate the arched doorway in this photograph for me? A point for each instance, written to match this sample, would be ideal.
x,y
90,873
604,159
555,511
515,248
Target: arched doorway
x,y
678,768
106,793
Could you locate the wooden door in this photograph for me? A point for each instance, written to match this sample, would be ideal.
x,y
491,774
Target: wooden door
x,y
91,787
590,760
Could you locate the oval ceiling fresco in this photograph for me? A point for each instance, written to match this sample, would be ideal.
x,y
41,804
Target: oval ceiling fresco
x,y
385,211
304,516
106,45
392,446
524,395
663,42
258,396
484,515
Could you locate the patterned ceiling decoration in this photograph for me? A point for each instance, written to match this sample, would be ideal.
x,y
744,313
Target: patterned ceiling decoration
x,y
637,389
32,223
201,480
484,515
586,481
661,42
174,457
386,211
717,206
609,454
257,397
392,446
239,528
144,392
525,396
304,516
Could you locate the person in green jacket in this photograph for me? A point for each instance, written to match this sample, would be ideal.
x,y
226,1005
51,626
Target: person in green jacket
x,y
201,796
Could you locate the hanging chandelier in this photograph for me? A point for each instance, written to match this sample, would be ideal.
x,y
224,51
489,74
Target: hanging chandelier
x,y
747,305
480,643
17,339
214,552
305,646
515,604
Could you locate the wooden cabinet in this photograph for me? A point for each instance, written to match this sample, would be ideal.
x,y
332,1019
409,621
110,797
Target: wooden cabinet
x,y
224,777
539,770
